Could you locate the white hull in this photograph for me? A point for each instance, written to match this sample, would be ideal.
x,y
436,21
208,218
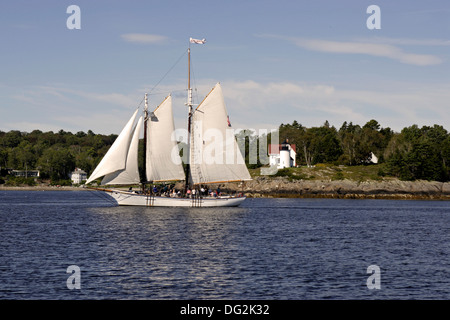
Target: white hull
x,y
124,198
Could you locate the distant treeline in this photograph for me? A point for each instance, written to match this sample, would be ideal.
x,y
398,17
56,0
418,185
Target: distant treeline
x,y
413,153
54,154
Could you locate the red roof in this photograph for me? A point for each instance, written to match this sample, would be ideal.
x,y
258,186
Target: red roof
x,y
275,148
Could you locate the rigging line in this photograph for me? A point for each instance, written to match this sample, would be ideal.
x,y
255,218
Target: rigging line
x,y
103,196
168,71
139,105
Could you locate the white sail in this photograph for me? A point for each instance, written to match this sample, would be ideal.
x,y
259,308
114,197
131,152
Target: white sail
x,y
116,157
163,162
129,175
214,153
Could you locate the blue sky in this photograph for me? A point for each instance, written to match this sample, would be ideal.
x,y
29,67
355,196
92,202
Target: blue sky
x,y
277,61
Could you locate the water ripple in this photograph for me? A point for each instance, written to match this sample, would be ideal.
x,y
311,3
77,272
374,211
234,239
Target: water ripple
x,y
266,249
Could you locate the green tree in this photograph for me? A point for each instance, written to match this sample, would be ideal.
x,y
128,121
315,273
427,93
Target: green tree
x,y
324,144
3,157
419,153
12,139
26,155
57,163
349,136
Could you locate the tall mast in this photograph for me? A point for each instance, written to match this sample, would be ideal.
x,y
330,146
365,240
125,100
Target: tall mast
x,y
144,176
189,103
189,82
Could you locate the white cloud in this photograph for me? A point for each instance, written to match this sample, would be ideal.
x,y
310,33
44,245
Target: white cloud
x,y
57,107
28,126
98,122
396,106
373,49
381,47
250,104
118,99
408,42
144,38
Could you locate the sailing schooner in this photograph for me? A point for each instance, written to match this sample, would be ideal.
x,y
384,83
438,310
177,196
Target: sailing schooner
x,y
213,155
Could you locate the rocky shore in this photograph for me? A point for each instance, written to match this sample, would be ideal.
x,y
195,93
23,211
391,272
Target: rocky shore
x,y
280,187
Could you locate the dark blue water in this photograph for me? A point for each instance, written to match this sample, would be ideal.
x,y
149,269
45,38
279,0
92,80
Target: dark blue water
x,y
266,249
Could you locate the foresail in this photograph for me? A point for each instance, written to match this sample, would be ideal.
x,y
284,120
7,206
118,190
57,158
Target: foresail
x,y
163,162
129,175
116,157
214,155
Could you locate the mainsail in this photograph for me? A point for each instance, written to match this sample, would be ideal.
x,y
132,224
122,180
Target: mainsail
x,y
214,153
129,175
163,162
116,157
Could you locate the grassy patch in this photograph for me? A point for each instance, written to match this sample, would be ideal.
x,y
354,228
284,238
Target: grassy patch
x,y
328,172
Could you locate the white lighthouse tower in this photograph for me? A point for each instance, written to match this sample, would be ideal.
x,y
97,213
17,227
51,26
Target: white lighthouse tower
x,y
285,155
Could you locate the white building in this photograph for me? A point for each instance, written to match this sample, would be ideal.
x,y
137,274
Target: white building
x,y
373,158
282,155
78,176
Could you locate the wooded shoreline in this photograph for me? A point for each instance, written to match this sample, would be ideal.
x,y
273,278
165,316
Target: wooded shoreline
x,y
280,187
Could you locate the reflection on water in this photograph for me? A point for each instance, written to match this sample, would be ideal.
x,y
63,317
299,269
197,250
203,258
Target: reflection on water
x,y
172,246
265,249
